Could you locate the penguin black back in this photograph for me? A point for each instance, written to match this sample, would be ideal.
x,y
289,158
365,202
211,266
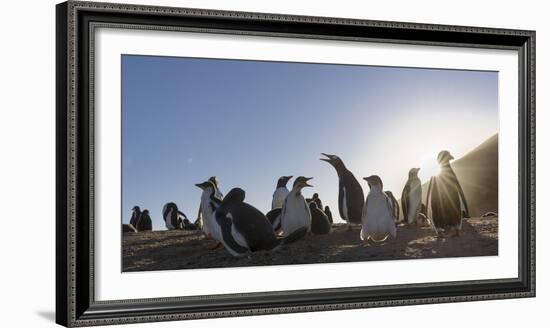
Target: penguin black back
x,y
144,222
395,204
445,196
250,222
350,194
320,224
328,213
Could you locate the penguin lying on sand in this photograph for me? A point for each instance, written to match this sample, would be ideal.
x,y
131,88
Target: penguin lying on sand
x,y
377,219
173,218
245,229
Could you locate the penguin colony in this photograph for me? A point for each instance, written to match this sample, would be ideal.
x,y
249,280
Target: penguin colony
x,y
241,228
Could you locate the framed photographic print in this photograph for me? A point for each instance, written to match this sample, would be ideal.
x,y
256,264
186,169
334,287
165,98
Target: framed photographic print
x,y
214,163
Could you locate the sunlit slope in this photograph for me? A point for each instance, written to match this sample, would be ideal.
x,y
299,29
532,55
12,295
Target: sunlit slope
x,y
477,172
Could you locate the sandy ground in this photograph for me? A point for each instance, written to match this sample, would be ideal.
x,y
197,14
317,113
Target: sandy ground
x,y
170,250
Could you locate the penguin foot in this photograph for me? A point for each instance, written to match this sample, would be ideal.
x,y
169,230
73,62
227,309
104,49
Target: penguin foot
x,y
215,246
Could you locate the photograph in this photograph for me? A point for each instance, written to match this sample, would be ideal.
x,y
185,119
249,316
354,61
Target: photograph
x,y
231,163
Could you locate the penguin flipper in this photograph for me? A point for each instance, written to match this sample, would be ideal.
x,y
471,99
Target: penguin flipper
x,y
405,200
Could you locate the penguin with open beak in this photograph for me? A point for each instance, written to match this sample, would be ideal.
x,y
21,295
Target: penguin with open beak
x,y
350,194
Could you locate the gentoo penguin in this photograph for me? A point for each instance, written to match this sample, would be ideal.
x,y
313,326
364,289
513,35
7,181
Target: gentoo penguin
x,y
144,222
244,228
136,212
320,224
205,214
280,192
209,204
296,213
350,194
394,205
173,218
446,200
377,218
315,198
411,198
329,214
279,195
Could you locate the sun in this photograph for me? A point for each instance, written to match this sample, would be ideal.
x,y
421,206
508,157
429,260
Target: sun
x,y
428,168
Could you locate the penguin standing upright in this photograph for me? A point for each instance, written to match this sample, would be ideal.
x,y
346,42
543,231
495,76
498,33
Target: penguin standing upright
x,y
350,194
280,192
394,205
144,222
173,218
320,225
377,218
446,203
206,214
209,204
244,228
279,195
411,198
136,212
295,213
328,213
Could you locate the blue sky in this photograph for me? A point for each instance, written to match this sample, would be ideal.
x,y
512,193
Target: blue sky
x,y
249,122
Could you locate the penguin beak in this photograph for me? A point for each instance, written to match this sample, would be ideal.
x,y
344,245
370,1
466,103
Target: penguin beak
x,y
328,160
306,184
200,185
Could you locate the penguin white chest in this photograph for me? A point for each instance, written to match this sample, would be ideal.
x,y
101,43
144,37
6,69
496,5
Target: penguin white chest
x,y
168,219
211,226
279,197
377,218
295,214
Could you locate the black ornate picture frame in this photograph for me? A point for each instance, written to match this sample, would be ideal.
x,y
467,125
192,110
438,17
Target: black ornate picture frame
x,y
75,279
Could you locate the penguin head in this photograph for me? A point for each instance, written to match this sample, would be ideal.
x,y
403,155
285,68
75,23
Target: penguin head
x,y
413,173
315,196
444,157
313,206
301,182
389,193
283,181
206,185
332,159
145,212
374,181
215,181
235,195
327,209
135,208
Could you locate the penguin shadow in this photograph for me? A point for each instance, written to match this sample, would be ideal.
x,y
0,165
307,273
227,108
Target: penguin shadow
x,y
47,315
470,242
